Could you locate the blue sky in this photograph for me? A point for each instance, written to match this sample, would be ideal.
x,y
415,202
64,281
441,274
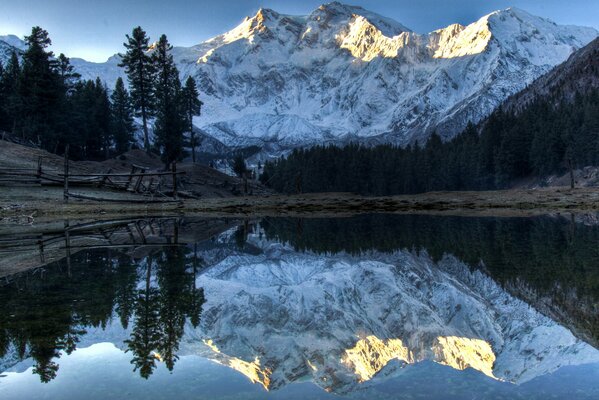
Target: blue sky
x,y
94,30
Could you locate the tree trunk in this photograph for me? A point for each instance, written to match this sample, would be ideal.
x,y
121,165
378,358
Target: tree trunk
x,y
571,173
145,127
192,138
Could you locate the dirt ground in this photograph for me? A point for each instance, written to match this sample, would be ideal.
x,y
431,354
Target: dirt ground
x,y
217,194
198,180
22,204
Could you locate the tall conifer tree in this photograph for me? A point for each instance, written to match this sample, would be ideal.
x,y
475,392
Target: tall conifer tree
x,y
11,79
193,106
140,71
122,117
39,90
170,116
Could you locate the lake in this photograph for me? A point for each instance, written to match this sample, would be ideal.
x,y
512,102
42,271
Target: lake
x,y
365,307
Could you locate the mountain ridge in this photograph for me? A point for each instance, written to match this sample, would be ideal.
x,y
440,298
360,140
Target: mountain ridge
x,y
578,74
342,73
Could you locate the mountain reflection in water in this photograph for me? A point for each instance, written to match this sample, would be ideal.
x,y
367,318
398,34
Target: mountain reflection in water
x,y
354,306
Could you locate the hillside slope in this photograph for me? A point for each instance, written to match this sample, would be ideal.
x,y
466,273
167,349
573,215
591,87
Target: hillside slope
x,y
579,74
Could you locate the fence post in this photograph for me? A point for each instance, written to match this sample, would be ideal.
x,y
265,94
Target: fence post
x,y
66,174
175,180
39,170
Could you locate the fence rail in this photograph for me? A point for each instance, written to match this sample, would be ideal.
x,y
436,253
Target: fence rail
x,y
140,180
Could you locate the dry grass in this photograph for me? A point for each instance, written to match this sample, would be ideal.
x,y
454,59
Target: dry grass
x,y
47,203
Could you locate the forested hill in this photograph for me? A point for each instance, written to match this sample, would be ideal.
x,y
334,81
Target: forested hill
x,y
579,74
554,130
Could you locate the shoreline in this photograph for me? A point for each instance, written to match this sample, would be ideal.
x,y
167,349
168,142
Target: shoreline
x,y
27,202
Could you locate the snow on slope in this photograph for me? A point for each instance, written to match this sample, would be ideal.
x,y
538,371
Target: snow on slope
x,y
343,73
577,75
8,45
13,41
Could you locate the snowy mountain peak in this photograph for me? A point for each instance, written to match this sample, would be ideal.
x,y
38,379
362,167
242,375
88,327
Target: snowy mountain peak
x,y
14,41
343,73
339,12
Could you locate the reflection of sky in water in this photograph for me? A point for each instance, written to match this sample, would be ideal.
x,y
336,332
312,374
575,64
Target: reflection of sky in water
x,y
103,372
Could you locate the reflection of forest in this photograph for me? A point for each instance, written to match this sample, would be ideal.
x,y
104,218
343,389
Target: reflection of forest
x,y
44,315
551,263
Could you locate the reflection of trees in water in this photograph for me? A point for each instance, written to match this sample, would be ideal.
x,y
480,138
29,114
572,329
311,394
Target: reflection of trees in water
x,y
554,257
161,312
45,313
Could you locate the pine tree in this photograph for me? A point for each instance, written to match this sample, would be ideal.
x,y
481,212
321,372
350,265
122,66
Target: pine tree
x,y
239,166
170,115
102,117
193,106
122,117
140,71
146,333
4,117
40,90
67,72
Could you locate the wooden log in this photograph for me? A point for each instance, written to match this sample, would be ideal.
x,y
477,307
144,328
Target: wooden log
x,y
104,178
134,201
19,180
18,173
140,232
139,180
67,238
130,178
134,175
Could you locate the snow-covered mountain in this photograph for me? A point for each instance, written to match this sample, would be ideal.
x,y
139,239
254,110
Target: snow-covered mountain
x,y
8,45
577,75
344,73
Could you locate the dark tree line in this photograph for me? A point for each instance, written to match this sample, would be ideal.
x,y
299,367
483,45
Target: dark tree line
x,y
547,137
42,100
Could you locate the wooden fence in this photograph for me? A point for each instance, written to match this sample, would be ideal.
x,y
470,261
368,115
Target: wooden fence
x,y
140,180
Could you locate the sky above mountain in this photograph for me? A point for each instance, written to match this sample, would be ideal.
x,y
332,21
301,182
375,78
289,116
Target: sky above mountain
x,y
96,30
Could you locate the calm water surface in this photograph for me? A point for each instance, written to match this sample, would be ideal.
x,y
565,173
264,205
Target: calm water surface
x,y
369,307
